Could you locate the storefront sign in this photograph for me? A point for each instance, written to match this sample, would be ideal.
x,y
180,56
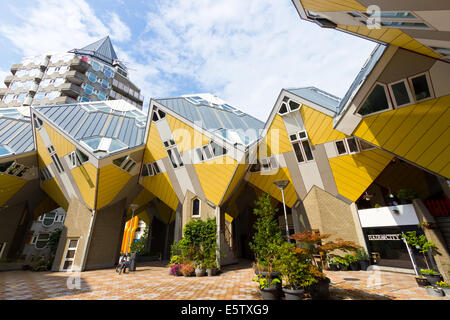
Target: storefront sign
x,y
383,237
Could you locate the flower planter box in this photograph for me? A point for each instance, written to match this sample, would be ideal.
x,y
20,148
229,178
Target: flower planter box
x,y
433,278
270,293
319,290
354,266
334,267
422,282
200,272
435,292
363,264
293,294
211,272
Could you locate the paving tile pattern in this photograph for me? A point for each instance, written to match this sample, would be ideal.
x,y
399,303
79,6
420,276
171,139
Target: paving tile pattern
x,y
151,281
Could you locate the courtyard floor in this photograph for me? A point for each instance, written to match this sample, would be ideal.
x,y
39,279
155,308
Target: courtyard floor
x,y
151,281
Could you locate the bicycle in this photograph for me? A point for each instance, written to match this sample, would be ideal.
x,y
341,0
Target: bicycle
x,y
124,263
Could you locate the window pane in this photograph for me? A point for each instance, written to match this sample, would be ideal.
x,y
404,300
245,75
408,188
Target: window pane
x,y
352,145
156,168
293,105
200,154
207,152
307,149
177,154
73,243
67,265
364,145
70,254
341,147
283,108
195,207
174,164
376,101
144,170
421,89
217,150
293,137
400,93
298,152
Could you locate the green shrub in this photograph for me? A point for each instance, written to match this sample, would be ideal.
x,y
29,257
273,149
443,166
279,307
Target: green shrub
x,y
361,254
140,246
350,258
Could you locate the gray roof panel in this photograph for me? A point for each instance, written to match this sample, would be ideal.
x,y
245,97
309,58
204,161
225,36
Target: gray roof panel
x,y
317,96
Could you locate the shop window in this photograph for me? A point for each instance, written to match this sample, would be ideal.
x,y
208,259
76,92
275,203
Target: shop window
x,y
196,207
376,101
421,87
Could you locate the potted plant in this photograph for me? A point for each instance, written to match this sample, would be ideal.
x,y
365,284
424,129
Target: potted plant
x,y
352,262
268,287
432,275
200,271
267,238
175,270
363,258
295,272
444,287
341,262
333,266
187,270
211,268
423,245
434,291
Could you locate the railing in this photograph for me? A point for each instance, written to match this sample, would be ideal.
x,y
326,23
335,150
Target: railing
x,y
438,208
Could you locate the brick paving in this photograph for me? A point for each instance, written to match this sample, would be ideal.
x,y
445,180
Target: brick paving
x,y
151,281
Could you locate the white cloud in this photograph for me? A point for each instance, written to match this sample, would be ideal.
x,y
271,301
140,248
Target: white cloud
x,y
246,51
119,30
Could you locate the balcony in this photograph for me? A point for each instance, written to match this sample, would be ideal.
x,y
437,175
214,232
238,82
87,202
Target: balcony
x,y
34,87
76,77
3,91
127,92
15,67
8,80
38,76
71,90
79,65
63,100
400,215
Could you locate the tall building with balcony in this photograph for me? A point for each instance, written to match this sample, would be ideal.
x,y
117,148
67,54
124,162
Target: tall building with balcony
x,y
93,73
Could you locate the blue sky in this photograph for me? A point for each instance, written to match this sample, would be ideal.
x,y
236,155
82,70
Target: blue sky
x,y
244,52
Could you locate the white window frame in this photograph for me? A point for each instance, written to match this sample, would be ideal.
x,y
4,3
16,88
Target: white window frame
x,y
346,146
37,239
430,87
55,158
299,141
199,208
389,100
408,89
156,112
65,254
286,100
172,147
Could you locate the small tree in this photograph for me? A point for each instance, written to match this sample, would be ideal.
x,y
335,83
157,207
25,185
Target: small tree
x,y
140,246
421,243
267,237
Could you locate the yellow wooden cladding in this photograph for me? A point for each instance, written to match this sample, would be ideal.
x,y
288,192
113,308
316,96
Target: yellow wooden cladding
x,y
160,186
265,182
9,186
185,136
53,189
62,145
154,149
332,5
319,126
418,133
276,140
111,181
237,177
392,36
85,177
354,173
44,158
165,212
214,176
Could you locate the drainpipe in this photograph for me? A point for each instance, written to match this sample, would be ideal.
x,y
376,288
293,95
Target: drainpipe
x,y
219,241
